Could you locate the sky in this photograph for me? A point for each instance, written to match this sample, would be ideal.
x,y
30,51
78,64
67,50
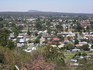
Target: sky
x,y
67,6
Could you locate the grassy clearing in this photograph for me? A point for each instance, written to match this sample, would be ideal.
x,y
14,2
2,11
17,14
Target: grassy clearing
x,y
68,56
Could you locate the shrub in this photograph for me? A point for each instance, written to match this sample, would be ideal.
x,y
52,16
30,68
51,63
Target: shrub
x,y
92,46
85,47
29,41
11,44
1,58
69,46
9,58
84,54
76,41
54,55
37,41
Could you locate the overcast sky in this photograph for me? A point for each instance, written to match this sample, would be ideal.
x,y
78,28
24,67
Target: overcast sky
x,y
71,6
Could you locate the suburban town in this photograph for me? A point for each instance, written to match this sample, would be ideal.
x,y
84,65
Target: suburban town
x,y
43,40
71,35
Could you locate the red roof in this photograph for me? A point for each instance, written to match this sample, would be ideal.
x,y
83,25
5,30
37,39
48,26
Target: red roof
x,y
55,39
49,42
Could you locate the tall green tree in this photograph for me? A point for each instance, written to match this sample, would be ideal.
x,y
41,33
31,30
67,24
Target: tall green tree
x,y
4,34
76,41
15,30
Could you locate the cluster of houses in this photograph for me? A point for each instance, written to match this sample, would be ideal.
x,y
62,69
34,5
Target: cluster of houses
x,y
55,31
59,40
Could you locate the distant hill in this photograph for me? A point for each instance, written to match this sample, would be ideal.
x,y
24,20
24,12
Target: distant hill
x,y
41,13
33,11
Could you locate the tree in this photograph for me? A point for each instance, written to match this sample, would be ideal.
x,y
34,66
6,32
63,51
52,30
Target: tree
x,y
61,37
1,55
20,27
11,44
92,46
39,25
1,19
4,34
4,41
85,47
69,46
78,27
28,32
1,25
37,41
15,30
59,27
54,55
76,41
91,24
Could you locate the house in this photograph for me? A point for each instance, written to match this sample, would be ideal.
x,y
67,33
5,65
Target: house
x,y
42,39
60,46
20,41
75,50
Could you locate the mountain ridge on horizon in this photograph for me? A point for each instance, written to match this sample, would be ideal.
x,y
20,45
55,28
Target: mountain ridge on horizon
x,y
57,12
47,12
42,13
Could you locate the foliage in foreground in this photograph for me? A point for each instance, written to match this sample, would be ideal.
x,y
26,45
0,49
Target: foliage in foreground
x,y
55,56
10,58
47,58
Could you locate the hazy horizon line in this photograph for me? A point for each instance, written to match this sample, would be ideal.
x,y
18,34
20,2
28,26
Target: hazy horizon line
x,y
45,11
